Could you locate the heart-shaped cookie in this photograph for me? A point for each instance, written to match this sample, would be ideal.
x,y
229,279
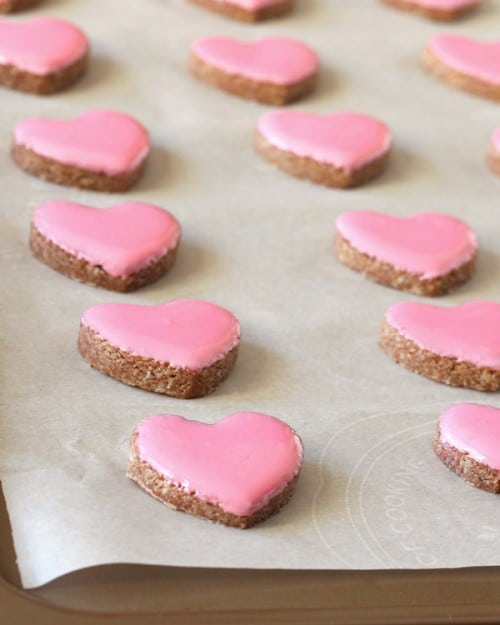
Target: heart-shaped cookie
x,y
238,471
184,348
442,10
120,248
100,150
427,253
273,70
248,10
465,63
459,346
468,442
42,55
10,6
339,150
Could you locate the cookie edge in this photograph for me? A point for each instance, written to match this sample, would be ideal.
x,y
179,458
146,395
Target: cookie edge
x,y
260,91
387,274
150,374
445,369
465,466
156,485
319,172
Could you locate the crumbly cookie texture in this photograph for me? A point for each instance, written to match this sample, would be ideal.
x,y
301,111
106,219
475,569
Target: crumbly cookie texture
x,y
466,64
426,253
340,150
182,348
387,274
121,248
83,271
11,6
467,443
100,150
41,55
273,70
456,346
439,11
236,11
237,472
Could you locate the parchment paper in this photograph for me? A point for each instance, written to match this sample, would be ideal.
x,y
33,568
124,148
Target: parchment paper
x,y
372,494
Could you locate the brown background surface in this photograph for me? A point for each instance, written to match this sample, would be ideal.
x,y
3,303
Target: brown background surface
x,y
142,595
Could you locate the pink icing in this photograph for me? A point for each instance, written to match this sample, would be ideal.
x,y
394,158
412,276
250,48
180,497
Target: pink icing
x,y
426,244
277,60
467,56
446,5
185,333
251,5
474,429
240,463
41,46
344,140
122,239
495,140
469,332
101,141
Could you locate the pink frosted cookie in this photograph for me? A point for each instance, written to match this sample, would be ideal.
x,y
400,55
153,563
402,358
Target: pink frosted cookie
x,y
183,348
442,10
427,253
493,155
459,346
248,10
274,70
471,65
99,150
42,55
468,442
238,471
10,6
121,248
340,150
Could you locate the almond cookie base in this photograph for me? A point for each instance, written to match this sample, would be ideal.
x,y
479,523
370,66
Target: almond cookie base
x,y
20,80
150,374
472,471
260,91
320,173
82,270
177,498
444,369
385,273
244,15
17,5
442,15
459,80
72,176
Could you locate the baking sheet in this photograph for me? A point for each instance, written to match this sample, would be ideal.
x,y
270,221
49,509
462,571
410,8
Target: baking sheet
x,y
372,494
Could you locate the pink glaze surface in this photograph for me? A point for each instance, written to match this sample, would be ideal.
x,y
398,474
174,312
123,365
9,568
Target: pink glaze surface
x,y
445,5
251,5
122,239
475,58
99,140
345,140
275,59
469,332
426,244
239,463
41,46
495,140
186,333
474,429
